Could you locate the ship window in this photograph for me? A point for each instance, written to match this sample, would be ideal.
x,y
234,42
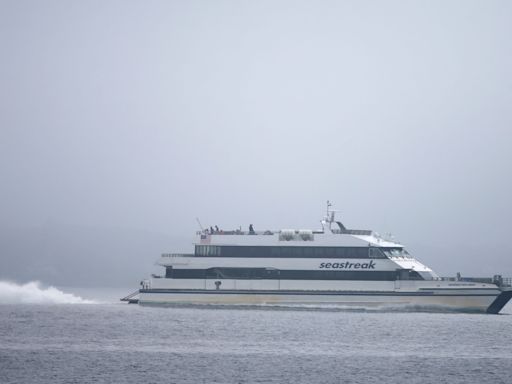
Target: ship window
x,y
242,273
212,250
396,252
189,273
352,253
413,275
376,253
293,252
275,274
207,250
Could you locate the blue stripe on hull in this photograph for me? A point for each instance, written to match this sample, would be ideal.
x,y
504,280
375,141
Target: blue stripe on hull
x,y
502,299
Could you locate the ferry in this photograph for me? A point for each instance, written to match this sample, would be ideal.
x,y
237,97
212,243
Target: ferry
x,y
329,267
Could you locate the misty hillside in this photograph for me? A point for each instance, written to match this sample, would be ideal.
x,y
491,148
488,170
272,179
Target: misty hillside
x,y
81,256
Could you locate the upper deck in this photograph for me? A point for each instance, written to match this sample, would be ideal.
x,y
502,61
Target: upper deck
x,y
361,232
295,238
332,234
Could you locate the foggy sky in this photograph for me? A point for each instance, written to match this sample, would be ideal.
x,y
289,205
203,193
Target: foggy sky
x,y
131,119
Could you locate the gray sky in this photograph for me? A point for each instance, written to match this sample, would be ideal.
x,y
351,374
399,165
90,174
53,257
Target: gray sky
x,y
139,116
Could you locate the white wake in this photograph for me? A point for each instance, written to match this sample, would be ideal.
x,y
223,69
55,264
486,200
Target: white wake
x,y
33,293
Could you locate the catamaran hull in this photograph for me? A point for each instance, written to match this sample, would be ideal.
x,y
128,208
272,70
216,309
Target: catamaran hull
x,y
483,302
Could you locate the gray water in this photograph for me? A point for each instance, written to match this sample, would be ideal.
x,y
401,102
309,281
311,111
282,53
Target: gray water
x,y
120,343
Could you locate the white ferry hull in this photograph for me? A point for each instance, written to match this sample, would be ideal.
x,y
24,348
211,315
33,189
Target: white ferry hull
x,y
443,301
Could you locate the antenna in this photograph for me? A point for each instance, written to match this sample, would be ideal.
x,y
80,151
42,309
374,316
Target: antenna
x,y
329,217
198,222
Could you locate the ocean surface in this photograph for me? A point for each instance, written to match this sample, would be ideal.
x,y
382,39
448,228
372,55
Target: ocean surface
x,y
100,340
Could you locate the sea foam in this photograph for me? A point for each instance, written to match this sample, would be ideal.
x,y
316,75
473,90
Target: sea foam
x,y
34,293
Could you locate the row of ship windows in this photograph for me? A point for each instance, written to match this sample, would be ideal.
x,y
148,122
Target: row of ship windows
x,y
276,274
293,252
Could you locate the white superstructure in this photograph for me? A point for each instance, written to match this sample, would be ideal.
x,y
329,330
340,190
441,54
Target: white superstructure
x,y
332,266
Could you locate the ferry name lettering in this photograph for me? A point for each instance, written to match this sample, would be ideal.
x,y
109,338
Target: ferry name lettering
x,y
347,265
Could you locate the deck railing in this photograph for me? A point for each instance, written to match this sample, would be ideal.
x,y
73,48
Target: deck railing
x,y
359,232
237,232
176,254
364,232
498,280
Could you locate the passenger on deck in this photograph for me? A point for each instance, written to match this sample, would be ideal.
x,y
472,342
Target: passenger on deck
x,y
251,230
211,231
217,229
